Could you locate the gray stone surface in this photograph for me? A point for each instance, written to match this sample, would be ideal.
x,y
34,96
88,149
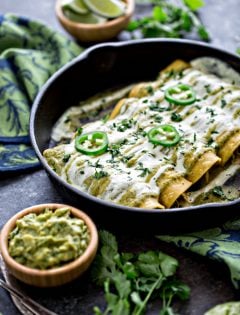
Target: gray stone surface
x,y
209,281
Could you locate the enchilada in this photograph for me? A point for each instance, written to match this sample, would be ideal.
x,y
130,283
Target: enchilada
x,y
158,141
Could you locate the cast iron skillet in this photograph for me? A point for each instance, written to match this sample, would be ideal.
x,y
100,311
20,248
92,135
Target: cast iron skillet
x,y
101,67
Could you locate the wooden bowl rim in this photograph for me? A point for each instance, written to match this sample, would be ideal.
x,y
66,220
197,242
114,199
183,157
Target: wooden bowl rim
x,y
88,254
100,26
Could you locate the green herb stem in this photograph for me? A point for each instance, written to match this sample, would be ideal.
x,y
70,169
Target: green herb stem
x,y
143,305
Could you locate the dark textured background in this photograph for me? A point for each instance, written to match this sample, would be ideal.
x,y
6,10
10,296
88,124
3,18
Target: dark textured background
x,y
209,281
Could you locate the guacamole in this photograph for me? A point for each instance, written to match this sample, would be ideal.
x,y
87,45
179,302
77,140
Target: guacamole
x,y
49,239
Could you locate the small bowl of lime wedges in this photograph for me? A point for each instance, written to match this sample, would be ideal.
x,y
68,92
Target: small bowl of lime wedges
x,y
94,20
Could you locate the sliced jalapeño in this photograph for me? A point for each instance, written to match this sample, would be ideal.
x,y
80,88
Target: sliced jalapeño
x,y
165,135
92,143
180,94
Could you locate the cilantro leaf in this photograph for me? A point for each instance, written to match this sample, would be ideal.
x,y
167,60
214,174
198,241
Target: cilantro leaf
x,y
168,264
218,191
121,308
123,286
109,240
194,4
131,280
203,33
148,264
104,266
159,14
152,264
169,20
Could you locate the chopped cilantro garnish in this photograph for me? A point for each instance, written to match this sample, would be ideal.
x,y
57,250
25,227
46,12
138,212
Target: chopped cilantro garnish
x,y
79,131
223,103
125,159
150,89
114,150
66,158
157,108
176,117
207,88
211,111
210,141
144,170
125,124
158,118
217,190
105,118
100,174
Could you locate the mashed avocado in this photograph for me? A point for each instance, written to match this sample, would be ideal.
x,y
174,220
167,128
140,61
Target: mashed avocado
x,y
47,240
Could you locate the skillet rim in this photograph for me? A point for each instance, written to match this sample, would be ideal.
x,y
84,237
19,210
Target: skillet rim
x,y
84,55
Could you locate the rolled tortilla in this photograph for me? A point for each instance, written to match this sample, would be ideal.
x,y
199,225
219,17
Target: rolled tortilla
x,y
117,108
55,158
203,164
145,88
98,186
172,185
142,89
177,66
231,144
151,203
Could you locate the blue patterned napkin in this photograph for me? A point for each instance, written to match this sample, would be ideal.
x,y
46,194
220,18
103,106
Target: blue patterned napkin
x,y
221,244
30,53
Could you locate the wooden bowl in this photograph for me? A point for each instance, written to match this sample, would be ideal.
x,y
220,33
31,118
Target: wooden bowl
x,y
55,276
95,32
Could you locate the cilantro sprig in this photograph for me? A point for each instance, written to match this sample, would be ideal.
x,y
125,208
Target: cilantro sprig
x,y
130,281
170,20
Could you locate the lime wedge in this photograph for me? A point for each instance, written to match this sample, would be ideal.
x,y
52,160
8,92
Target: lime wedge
x,y
76,6
89,18
106,8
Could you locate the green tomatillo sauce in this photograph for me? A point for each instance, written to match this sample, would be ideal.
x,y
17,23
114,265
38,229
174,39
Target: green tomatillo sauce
x,y
49,239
